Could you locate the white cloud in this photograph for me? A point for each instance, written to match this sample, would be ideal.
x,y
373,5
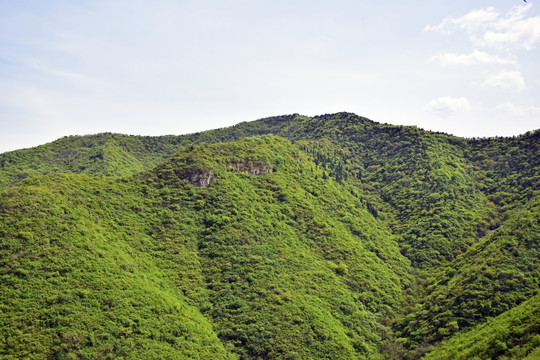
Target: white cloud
x,y
447,105
477,19
514,31
507,80
487,27
513,110
474,58
472,21
523,34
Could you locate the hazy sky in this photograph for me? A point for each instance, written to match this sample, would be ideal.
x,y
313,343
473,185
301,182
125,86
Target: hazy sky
x,y
466,67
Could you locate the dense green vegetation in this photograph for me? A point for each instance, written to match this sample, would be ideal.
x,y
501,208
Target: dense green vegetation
x,y
494,275
74,284
288,237
104,154
512,335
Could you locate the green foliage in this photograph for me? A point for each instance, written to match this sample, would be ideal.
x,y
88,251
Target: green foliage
x,y
259,264
104,154
496,274
274,248
348,240
76,282
512,335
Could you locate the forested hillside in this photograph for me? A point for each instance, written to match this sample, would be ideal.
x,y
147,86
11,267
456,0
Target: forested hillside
x,y
332,237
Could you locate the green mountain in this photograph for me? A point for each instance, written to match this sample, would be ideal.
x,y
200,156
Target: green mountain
x,y
332,237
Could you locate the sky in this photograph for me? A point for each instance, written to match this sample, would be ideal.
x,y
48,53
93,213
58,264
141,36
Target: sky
x,y
74,67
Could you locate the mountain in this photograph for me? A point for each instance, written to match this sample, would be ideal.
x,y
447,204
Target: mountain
x,y
288,237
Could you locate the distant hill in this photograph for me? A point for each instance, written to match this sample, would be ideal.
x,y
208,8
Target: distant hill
x,y
289,237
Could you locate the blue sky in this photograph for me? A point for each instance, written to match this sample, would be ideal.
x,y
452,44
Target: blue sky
x,y
158,67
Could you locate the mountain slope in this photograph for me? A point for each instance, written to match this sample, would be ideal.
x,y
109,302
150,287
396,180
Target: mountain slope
x,y
412,173
512,335
75,283
351,239
105,154
154,266
496,274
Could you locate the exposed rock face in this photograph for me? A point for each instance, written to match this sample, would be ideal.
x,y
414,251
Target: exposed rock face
x,y
205,178
250,168
201,179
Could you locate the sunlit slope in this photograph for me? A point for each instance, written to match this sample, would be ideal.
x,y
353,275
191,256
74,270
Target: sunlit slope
x,y
77,281
269,260
296,266
101,154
